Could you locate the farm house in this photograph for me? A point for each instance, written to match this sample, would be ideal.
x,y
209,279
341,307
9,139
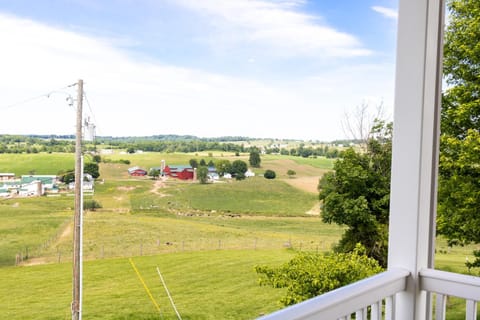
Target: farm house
x,y
179,171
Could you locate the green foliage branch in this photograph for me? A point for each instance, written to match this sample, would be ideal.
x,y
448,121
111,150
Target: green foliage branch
x,y
311,274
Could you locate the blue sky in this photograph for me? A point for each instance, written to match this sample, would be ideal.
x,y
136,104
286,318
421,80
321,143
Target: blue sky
x,y
258,68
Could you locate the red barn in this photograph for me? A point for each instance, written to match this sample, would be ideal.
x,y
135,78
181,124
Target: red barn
x,y
137,172
180,172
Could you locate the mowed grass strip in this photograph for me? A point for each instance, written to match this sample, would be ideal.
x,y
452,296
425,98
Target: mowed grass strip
x,y
204,285
318,162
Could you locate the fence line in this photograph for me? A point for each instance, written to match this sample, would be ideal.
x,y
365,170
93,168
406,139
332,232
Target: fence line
x,y
94,251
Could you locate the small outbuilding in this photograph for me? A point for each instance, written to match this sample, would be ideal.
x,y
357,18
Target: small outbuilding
x,y
137,172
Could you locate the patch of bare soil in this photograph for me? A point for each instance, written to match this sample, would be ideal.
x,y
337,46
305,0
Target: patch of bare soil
x,y
66,234
308,184
315,211
126,188
33,262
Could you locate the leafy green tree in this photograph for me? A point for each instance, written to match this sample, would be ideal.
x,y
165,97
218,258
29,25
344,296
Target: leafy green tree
x,y
269,174
254,158
68,177
210,164
357,194
92,169
193,163
203,163
223,166
202,174
154,173
459,172
97,158
130,150
310,274
239,167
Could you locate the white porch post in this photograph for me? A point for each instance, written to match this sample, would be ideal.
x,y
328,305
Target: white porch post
x,y
415,148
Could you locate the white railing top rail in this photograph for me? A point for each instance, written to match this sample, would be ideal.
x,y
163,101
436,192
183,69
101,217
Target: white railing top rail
x,y
451,284
346,300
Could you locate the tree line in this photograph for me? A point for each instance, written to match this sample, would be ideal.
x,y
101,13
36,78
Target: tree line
x,y
183,144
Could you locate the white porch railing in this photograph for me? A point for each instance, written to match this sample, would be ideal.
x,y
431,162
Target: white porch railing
x,y
374,292
446,284
374,298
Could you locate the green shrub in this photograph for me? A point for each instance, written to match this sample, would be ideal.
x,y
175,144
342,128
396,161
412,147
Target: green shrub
x,y
91,205
310,274
270,174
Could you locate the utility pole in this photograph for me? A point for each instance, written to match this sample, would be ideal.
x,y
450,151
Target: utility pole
x,y
77,220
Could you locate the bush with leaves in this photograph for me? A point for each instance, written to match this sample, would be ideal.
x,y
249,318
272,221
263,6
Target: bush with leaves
x,y
91,205
311,274
269,174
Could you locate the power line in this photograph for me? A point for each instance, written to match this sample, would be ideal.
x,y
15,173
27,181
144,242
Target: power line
x,y
45,95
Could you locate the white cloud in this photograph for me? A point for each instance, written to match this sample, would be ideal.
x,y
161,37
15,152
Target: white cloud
x,y
274,25
132,97
386,12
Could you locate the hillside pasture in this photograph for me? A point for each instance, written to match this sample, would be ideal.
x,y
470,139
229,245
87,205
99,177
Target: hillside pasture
x,y
253,196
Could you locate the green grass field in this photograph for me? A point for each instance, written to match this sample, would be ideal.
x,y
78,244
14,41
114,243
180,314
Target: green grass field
x,y
204,285
39,163
206,240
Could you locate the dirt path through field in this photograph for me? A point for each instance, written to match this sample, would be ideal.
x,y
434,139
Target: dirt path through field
x,y
66,233
159,184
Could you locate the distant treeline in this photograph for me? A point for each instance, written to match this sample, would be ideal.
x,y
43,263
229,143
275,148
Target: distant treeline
x,y
157,143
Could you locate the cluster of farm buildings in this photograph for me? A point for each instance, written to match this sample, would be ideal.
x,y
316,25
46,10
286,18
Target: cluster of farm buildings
x,y
36,185
182,172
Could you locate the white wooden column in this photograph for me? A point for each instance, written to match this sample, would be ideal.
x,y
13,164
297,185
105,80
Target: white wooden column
x,y
415,148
